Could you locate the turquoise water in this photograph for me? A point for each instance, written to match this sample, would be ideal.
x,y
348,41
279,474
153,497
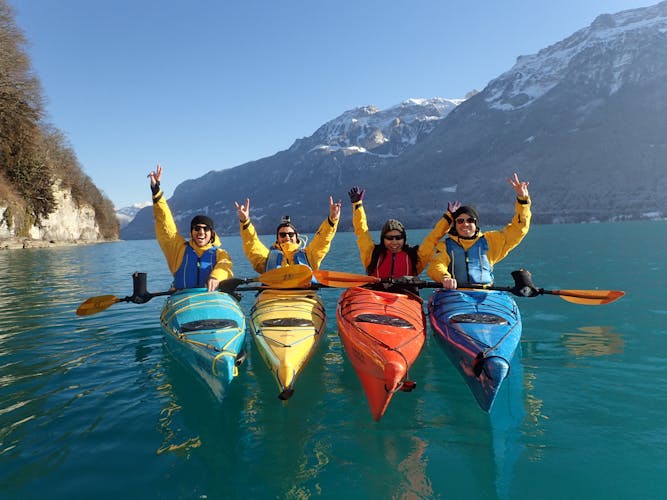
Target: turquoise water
x,y
97,407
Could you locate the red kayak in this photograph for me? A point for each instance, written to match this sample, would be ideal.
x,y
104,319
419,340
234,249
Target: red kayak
x,y
382,333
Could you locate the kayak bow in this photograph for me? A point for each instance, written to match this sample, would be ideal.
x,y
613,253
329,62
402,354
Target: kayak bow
x,y
382,334
480,332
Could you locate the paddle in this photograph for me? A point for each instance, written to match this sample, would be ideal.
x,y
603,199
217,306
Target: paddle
x,y
523,286
585,297
140,295
296,276
343,280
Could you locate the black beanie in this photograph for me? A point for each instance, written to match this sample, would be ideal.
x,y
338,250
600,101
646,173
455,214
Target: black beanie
x,y
201,219
465,209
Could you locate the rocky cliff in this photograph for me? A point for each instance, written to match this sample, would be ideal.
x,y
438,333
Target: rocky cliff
x,y
70,223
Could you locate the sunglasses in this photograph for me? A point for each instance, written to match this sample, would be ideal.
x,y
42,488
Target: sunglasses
x,y
204,228
286,235
394,237
461,220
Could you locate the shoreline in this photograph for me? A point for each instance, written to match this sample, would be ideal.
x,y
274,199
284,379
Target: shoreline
x,y
27,243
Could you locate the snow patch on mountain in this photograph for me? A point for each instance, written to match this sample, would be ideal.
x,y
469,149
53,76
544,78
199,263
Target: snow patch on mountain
x,y
534,75
384,133
125,215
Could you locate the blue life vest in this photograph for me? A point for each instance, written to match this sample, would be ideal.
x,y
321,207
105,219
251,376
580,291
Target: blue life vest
x,y
275,258
472,266
195,270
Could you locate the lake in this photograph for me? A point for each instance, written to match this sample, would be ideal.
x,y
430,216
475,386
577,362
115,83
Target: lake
x,y
97,407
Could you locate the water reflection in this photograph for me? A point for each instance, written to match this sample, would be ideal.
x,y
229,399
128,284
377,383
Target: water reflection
x,y
593,341
83,400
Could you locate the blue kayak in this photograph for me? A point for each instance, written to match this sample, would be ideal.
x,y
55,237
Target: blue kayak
x,y
480,332
206,332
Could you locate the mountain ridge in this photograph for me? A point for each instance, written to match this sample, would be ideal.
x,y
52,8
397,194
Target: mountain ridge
x,y
321,161
578,120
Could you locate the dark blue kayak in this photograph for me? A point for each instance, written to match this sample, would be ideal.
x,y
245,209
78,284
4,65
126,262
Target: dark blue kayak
x,y
480,332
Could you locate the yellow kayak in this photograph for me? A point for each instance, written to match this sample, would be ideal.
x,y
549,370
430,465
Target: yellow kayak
x,y
287,326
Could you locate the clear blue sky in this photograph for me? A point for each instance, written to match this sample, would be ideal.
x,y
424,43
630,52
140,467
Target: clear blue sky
x,y
207,85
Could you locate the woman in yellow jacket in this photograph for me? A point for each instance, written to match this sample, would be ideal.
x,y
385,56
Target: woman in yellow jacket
x,y
200,262
467,255
393,257
289,248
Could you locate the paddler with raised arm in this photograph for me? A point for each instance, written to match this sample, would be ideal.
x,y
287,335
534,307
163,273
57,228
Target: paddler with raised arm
x,y
467,255
200,262
393,257
290,247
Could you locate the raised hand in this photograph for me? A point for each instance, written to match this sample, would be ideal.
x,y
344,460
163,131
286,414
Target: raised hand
x,y
243,211
155,179
334,209
356,194
521,187
453,206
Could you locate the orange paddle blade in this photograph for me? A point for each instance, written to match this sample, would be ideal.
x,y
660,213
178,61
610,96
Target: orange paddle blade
x,y
94,305
343,280
588,297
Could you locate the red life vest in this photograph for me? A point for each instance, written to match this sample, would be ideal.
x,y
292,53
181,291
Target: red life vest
x,y
393,265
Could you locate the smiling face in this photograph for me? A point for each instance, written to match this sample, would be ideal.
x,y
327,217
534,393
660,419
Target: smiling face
x,y
393,241
201,234
286,234
466,225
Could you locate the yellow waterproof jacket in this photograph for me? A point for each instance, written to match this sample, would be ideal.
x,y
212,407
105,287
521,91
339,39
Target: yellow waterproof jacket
x,y
500,242
316,250
366,244
173,244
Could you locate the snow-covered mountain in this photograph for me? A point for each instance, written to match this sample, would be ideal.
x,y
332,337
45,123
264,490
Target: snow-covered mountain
x,y
583,120
126,215
355,140
613,41
382,132
578,120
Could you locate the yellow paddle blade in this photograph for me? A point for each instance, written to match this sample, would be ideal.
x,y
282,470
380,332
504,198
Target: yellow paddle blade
x,y
296,276
96,304
588,297
343,280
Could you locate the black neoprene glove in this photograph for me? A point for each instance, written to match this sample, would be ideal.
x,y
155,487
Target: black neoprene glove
x,y
356,194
